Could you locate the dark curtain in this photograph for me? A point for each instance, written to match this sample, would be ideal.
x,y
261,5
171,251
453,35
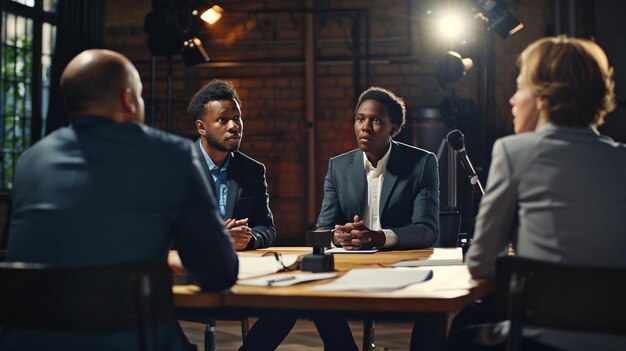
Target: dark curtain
x,y
80,26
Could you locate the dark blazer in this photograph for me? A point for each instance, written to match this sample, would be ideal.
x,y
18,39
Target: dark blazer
x,y
103,193
246,196
409,201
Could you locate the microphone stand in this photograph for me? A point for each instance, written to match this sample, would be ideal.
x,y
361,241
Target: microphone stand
x,y
456,142
452,180
451,158
471,222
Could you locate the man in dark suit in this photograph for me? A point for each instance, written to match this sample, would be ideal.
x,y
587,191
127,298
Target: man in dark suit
x,y
384,194
108,190
237,180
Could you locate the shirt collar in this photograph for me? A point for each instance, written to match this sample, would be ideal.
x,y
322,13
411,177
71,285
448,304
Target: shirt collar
x,y
380,166
209,161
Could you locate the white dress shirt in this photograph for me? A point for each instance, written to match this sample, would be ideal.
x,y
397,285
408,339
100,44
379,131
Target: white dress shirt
x,y
371,212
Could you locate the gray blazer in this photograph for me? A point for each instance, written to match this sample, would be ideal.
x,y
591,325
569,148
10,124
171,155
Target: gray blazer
x,y
104,193
558,195
409,201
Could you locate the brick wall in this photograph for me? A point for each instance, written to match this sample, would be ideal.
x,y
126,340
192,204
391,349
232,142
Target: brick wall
x,y
265,56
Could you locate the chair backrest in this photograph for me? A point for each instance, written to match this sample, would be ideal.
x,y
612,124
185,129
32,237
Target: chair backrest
x,y
449,225
553,295
108,298
5,223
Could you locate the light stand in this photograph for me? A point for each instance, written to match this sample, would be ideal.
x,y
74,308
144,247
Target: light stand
x,y
170,30
451,67
496,18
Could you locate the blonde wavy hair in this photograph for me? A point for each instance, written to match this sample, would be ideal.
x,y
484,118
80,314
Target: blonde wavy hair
x,y
573,76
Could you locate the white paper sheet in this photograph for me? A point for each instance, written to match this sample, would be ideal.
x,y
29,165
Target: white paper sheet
x,y
444,278
376,279
286,279
254,266
341,250
435,262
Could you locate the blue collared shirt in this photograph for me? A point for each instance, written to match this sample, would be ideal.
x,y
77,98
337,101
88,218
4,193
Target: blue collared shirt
x,y
219,179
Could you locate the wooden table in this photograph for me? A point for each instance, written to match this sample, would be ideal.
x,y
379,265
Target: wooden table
x,y
450,290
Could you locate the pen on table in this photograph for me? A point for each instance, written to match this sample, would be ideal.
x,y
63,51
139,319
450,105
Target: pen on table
x,y
281,279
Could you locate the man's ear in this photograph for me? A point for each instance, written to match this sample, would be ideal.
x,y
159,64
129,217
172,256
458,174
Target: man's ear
x,y
200,127
128,101
394,130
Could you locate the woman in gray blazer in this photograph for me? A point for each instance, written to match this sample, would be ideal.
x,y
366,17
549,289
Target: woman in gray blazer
x,y
555,190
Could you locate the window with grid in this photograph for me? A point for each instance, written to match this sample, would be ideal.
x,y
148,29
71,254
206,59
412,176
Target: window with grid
x,y
27,32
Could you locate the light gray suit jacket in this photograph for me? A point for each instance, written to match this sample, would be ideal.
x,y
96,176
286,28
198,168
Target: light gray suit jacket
x,y
409,199
558,195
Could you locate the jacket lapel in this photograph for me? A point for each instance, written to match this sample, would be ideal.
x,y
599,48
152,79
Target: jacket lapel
x,y
232,187
391,178
356,175
205,166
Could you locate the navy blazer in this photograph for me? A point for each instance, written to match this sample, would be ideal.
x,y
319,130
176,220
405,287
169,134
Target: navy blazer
x,y
104,193
409,200
247,196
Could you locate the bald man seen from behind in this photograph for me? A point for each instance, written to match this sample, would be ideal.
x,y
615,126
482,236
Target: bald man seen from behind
x,y
108,190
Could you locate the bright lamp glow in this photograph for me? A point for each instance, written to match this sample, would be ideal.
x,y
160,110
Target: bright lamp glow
x,y
212,15
450,26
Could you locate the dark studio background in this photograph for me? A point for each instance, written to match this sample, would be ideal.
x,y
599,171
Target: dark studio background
x,y
298,73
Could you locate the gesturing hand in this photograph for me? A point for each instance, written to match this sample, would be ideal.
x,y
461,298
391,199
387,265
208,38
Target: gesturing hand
x,y
240,232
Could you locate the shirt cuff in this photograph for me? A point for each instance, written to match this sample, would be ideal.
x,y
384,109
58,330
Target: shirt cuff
x,y
391,239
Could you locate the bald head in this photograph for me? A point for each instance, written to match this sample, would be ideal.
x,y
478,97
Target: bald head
x,y
104,83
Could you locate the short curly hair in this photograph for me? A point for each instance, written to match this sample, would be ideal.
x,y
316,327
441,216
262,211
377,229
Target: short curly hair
x,y
214,90
394,104
573,76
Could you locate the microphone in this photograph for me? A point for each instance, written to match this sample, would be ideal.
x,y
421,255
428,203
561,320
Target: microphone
x,y
456,140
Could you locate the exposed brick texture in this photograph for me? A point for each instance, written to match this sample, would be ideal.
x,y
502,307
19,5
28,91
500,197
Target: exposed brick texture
x,y
265,53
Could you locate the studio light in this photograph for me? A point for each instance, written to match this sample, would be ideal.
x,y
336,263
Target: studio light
x,y
451,67
173,27
193,53
450,25
209,15
498,18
